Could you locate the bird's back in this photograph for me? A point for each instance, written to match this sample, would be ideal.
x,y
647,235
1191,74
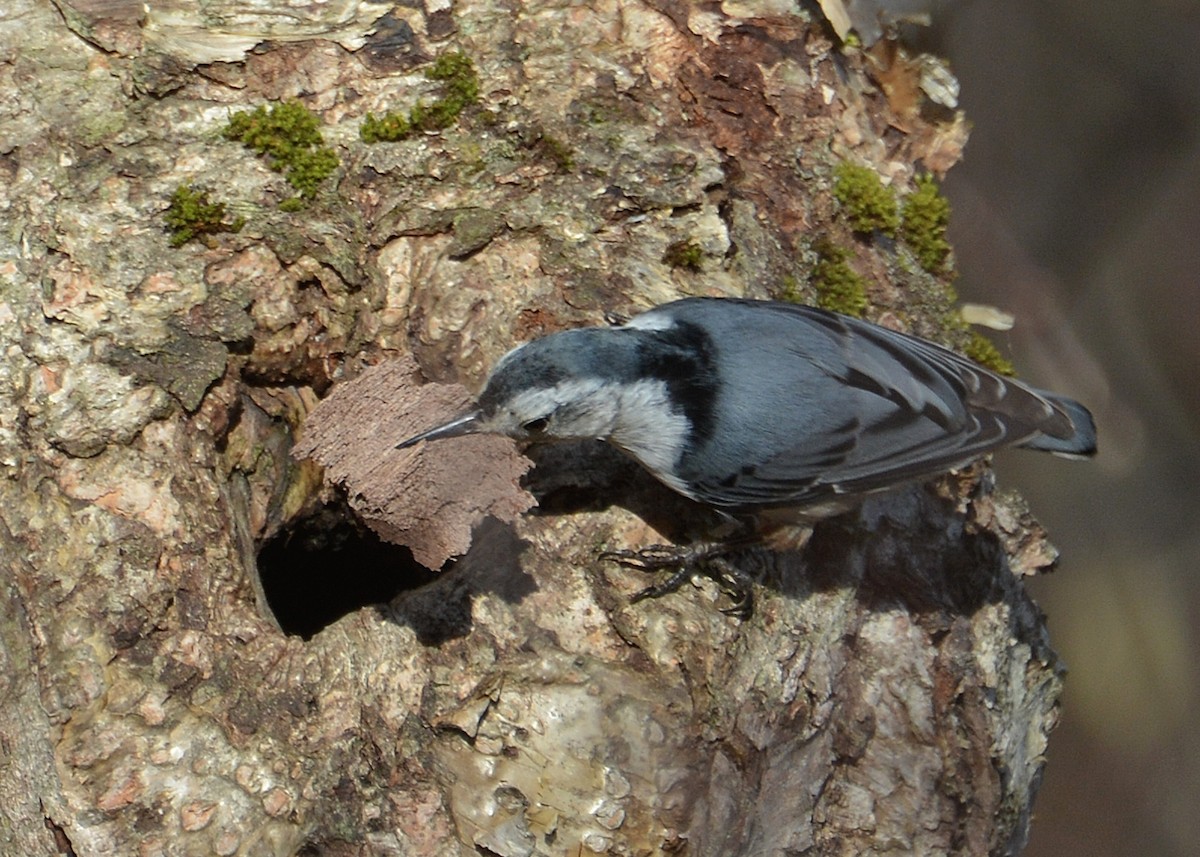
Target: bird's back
x,y
809,405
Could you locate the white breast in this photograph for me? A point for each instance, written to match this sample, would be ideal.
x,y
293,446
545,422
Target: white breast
x,y
651,431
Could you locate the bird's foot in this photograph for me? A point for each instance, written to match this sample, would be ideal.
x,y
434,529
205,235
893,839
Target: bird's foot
x,y
710,560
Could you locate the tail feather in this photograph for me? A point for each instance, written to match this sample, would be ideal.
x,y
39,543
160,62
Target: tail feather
x,y
1081,443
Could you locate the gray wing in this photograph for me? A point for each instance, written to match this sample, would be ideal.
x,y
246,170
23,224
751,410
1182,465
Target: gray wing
x,y
839,406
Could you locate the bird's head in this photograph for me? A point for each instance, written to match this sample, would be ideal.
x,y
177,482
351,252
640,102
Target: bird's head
x,y
563,386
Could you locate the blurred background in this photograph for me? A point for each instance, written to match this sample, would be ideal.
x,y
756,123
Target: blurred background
x,y
1077,208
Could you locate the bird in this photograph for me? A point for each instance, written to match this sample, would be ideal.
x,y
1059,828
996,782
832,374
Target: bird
x,y
759,407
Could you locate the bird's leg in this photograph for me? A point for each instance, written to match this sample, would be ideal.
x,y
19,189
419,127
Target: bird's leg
x,y
684,560
708,558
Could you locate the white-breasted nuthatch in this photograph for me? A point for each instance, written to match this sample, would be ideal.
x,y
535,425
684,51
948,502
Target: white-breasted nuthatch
x,y
751,405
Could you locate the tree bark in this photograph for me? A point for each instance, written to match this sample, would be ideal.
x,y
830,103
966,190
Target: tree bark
x,y
894,689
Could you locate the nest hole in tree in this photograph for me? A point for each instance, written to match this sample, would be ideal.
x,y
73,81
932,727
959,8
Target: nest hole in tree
x,y
328,564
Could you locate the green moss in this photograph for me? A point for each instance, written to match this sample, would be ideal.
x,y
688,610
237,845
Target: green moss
x,y
838,287
684,254
392,128
292,203
925,215
433,116
462,83
981,349
790,291
311,168
192,214
867,204
461,90
278,131
289,136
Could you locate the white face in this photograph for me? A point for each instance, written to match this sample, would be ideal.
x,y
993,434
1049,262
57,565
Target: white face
x,y
572,409
584,384
637,417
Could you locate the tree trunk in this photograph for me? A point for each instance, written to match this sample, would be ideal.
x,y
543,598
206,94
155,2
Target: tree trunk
x,y
894,688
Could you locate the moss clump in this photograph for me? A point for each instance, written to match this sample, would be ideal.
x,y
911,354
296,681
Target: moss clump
x,y
391,128
925,215
684,254
838,287
310,169
867,204
789,290
192,214
461,90
289,135
981,349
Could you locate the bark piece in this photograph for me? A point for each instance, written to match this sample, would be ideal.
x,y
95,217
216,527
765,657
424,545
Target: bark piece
x,y
427,497
220,31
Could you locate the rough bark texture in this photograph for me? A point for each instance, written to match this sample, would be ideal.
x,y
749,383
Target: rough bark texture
x,y
894,689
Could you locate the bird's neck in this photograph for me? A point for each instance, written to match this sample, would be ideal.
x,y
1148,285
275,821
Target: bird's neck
x,y
647,426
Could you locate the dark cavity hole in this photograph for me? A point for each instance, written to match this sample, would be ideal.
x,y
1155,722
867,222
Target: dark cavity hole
x,y
327,565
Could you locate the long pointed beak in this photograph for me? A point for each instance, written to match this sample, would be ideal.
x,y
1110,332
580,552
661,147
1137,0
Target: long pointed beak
x,y
467,423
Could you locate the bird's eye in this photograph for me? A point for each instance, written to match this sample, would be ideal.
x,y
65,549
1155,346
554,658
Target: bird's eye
x,y
535,426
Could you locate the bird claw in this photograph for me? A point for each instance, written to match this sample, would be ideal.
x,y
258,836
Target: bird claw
x,y
663,587
706,559
652,558
736,584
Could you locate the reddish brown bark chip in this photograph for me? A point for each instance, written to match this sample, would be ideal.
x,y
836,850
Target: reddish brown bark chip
x,y
427,497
